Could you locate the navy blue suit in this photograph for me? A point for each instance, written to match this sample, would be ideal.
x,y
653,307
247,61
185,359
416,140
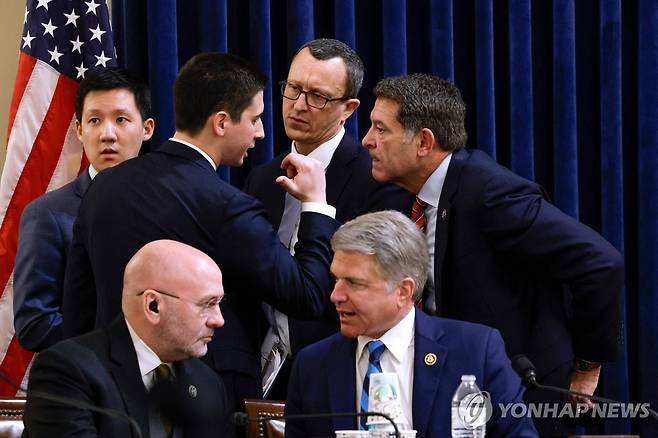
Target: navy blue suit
x,y
101,368
175,193
506,257
43,243
324,379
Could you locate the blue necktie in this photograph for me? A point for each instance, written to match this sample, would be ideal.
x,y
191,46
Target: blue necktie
x,y
376,348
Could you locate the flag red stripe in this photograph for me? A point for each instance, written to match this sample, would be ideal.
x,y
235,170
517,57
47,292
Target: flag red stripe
x,y
38,169
14,365
26,64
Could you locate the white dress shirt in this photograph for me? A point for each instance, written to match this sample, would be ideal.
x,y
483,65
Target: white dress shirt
x,y
397,358
430,193
146,358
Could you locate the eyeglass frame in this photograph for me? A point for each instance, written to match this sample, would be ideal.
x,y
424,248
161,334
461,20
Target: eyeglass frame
x,y
205,307
284,84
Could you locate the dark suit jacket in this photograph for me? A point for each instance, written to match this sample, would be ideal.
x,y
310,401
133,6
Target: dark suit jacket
x,y
351,189
324,378
503,254
43,244
174,193
101,368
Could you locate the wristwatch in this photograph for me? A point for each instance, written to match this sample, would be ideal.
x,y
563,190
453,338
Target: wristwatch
x,y
585,365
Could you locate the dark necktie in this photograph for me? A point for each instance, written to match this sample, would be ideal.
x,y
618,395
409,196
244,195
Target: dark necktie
x,y
418,213
162,374
376,349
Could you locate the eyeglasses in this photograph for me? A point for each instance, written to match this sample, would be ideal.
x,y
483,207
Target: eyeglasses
x,y
313,99
205,307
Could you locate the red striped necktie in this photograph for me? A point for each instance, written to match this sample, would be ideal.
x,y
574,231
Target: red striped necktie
x,y
418,213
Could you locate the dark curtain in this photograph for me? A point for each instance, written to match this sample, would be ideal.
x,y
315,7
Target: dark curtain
x,y
563,92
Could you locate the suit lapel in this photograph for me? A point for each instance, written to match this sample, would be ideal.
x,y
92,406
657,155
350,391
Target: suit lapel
x,y
275,196
82,183
125,371
443,221
341,382
429,359
339,171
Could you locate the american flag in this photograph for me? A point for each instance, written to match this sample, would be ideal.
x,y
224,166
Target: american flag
x,y
62,40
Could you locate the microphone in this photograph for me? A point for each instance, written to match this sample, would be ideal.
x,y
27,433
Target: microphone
x,y
242,419
526,370
113,413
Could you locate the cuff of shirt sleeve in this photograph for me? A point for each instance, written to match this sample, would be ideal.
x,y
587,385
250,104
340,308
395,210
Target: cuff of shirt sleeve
x,y
317,207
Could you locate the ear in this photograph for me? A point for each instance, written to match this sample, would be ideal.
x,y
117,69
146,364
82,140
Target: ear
x,y
219,122
427,142
406,290
350,106
149,127
78,129
149,298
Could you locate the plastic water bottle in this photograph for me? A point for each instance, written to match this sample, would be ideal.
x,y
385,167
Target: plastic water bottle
x,y
468,420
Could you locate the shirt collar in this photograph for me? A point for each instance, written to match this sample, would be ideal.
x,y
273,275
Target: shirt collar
x,y
196,148
397,339
146,358
431,190
325,152
92,172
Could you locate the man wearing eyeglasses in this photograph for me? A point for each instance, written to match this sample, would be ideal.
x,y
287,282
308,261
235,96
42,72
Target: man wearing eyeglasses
x,y
144,364
319,95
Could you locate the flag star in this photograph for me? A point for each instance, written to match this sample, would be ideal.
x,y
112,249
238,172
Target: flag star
x,y
102,60
97,33
49,28
77,44
91,7
72,18
27,40
43,3
55,55
26,12
81,70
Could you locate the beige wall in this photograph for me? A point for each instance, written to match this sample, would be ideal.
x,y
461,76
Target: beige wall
x,y
11,28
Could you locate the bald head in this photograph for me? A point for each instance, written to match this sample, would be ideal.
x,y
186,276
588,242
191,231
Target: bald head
x,y
170,296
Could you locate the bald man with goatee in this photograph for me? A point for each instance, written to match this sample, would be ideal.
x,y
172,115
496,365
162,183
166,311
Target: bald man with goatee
x,y
144,364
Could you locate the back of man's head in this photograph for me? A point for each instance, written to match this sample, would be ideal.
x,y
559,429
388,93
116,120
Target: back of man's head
x,y
211,82
399,248
114,78
328,48
428,101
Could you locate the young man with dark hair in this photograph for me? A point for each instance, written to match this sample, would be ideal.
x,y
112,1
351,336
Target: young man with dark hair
x,y
113,118
175,193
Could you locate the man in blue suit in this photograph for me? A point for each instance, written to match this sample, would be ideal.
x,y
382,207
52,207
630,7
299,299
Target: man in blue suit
x,y
175,193
112,119
380,266
319,95
501,253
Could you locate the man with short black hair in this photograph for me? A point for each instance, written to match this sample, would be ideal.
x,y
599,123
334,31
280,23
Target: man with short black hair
x,y
175,193
112,119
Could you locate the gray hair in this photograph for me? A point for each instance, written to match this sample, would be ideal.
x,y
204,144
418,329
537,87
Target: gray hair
x,y
399,248
428,102
327,48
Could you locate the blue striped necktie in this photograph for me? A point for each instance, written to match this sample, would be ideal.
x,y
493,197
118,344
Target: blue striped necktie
x,y
376,349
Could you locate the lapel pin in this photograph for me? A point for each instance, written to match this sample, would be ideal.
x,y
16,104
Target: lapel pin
x,y
430,359
192,391
444,213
